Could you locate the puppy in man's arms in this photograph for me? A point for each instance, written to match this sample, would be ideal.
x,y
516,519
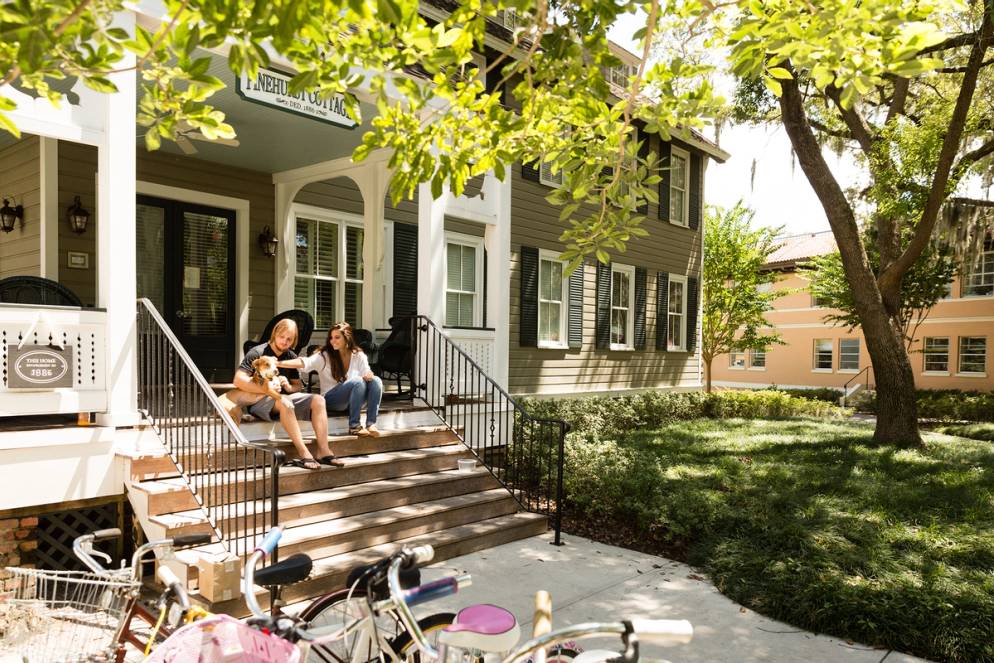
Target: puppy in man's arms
x,y
265,374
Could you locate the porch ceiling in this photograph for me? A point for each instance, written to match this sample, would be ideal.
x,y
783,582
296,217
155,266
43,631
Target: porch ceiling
x,y
270,140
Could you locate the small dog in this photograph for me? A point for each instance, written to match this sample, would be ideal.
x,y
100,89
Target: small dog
x,y
265,374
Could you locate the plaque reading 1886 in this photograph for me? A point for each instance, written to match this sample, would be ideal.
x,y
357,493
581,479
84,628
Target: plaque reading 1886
x,y
39,367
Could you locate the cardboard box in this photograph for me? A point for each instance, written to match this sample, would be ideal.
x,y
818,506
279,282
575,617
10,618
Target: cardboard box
x,y
219,576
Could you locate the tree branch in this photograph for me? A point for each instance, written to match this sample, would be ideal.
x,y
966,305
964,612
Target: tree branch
x,y
857,125
952,42
961,70
898,100
974,156
823,128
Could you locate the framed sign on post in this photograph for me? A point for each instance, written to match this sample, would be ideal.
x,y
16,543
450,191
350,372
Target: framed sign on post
x,y
39,367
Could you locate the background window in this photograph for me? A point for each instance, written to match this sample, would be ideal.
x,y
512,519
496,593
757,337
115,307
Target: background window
x,y
736,359
328,271
461,285
622,313
678,187
757,358
823,354
980,280
973,354
849,354
676,313
551,315
936,351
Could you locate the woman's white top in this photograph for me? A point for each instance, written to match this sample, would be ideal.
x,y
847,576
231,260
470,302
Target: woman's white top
x,y
318,362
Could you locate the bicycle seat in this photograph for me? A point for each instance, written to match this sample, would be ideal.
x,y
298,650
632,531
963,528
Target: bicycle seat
x,y
292,569
485,627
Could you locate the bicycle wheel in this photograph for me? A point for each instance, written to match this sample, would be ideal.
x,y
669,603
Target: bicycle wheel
x,y
403,645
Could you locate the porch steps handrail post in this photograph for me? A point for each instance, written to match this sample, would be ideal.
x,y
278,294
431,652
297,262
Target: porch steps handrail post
x,y
524,452
221,467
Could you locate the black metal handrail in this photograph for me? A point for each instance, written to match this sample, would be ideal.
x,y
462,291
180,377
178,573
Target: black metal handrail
x,y
845,387
523,452
235,481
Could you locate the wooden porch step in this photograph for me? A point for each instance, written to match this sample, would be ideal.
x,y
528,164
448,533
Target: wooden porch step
x,y
329,573
171,495
158,464
303,508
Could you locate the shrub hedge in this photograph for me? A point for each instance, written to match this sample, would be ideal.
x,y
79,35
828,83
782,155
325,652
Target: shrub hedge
x,y
941,404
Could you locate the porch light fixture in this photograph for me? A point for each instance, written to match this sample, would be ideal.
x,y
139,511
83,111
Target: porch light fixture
x,y
268,242
9,216
77,216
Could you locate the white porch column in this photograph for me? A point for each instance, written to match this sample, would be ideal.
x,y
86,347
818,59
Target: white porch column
x,y
431,254
372,184
498,244
286,249
116,277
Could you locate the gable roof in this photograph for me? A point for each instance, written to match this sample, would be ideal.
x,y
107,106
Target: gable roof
x,y
797,248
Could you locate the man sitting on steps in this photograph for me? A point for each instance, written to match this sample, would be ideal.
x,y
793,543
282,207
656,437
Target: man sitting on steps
x,y
293,405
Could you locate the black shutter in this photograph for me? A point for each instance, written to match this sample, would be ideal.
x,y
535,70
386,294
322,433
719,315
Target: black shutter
x,y
405,269
574,324
603,327
664,184
696,178
692,296
528,321
640,279
662,308
530,172
643,154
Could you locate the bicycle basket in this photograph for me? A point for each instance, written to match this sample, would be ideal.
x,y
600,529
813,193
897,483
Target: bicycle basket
x,y
61,616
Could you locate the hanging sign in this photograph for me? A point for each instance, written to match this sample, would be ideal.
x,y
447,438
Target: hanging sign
x,y
272,88
39,367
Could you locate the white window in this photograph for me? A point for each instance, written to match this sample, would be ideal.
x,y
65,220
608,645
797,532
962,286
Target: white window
x,y
622,307
619,74
553,295
676,313
737,359
823,354
757,359
679,185
979,282
328,270
508,18
936,351
546,177
463,280
849,354
973,354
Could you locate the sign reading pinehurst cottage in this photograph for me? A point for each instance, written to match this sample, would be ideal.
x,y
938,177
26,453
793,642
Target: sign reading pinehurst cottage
x,y
39,367
272,88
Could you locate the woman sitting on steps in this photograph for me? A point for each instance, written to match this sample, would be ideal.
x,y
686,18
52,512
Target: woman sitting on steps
x,y
345,378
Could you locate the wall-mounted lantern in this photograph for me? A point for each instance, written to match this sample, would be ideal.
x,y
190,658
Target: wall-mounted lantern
x,y
77,216
9,216
268,242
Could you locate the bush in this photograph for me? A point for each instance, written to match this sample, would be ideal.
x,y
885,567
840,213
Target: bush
x,y
940,404
826,394
972,431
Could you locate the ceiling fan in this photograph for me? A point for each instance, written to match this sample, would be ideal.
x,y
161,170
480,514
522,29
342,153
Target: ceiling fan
x,y
185,133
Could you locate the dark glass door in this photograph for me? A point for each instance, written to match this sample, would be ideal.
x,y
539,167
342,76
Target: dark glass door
x,y
186,267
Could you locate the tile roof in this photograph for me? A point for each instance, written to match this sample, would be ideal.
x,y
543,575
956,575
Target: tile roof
x,y
796,248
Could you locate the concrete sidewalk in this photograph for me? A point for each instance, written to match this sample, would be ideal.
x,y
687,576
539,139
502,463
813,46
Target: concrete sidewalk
x,y
590,581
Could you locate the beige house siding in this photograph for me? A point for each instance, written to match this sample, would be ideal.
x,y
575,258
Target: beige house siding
x,y
78,177
20,249
668,248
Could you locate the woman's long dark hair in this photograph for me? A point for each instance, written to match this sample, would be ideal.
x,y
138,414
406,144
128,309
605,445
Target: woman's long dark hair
x,y
332,355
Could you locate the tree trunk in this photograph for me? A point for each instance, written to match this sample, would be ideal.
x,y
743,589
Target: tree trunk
x,y
707,375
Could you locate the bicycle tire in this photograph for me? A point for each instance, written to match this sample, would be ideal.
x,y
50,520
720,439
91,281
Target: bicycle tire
x,y
403,644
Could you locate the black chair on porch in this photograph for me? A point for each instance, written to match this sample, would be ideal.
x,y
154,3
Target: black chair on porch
x,y
36,290
395,356
305,327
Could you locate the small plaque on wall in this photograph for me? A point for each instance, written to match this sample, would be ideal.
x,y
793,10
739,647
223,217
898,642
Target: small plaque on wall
x,y
78,260
39,367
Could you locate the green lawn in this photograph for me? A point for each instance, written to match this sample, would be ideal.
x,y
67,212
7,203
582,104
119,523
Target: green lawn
x,y
804,521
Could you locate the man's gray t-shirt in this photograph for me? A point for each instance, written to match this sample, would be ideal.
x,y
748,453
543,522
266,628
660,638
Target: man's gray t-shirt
x,y
265,350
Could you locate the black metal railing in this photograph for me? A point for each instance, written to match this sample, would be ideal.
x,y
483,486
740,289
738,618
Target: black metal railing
x,y
523,452
845,388
235,482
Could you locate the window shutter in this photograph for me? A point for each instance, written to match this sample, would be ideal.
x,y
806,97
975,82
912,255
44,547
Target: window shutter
x,y
529,172
662,309
640,279
696,179
574,324
691,313
603,326
405,269
528,321
643,154
664,184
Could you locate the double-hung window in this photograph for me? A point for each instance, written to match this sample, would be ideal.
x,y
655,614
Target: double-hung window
x,y
973,355
936,351
676,313
737,359
553,295
463,280
328,269
823,354
849,354
757,359
622,307
979,282
679,185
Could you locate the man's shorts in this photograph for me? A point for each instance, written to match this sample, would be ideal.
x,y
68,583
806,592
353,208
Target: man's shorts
x,y
301,407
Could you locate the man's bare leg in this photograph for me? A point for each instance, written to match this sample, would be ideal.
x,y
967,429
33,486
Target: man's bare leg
x,y
288,420
319,422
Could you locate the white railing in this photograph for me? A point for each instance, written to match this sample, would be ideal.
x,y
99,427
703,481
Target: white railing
x,y
80,332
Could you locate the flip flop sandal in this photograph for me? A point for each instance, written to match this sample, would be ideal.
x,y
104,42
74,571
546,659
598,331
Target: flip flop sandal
x,y
357,430
305,463
332,461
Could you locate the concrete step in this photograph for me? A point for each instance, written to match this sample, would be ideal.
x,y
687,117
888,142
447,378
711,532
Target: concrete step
x,y
303,508
157,464
329,573
171,495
